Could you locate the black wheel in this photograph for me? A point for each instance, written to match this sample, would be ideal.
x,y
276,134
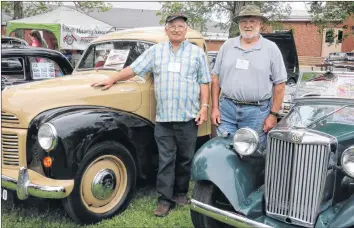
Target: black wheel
x,y
206,192
104,184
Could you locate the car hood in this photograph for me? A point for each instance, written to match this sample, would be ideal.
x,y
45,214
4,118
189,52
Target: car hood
x,y
336,120
28,100
286,44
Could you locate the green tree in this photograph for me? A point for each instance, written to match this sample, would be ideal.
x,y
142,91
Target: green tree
x,y
197,12
200,13
330,15
36,8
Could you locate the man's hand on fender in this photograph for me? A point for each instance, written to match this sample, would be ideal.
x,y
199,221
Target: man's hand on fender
x,y
202,116
107,83
269,123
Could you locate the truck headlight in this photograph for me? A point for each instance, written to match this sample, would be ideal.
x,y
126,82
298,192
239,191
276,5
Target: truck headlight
x,y
246,141
47,137
348,161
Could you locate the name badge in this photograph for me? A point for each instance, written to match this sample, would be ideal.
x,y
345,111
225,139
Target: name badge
x,y
174,67
242,64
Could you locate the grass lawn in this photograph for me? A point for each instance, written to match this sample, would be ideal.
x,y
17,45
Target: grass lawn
x,y
50,213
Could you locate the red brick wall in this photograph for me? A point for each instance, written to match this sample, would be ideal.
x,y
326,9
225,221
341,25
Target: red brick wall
x,y
348,43
308,40
214,45
3,30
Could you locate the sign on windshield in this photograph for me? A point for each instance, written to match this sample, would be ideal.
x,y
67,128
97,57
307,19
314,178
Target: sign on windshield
x,y
117,58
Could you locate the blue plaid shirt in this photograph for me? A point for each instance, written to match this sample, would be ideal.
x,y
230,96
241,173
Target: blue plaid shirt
x,y
177,93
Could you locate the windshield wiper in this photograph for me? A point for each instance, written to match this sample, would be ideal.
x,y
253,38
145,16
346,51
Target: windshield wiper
x,y
325,116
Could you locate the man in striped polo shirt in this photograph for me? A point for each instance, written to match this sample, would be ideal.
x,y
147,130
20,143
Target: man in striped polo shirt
x,y
181,78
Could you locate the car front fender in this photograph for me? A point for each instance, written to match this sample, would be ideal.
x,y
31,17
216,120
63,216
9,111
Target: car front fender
x,y
339,215
237,178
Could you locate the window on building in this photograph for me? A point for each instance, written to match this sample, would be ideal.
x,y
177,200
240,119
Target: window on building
x,y
329,36
340,36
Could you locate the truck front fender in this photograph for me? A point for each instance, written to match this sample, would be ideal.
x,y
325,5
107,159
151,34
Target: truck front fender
x,y
236,177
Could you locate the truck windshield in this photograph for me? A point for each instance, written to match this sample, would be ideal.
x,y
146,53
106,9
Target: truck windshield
x,y
112,55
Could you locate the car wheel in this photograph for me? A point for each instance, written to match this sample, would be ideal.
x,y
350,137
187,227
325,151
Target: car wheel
x,y
104,184
207,193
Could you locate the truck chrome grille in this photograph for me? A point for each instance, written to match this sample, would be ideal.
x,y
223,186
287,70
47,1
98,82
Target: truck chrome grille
x,y
295,175
9,118
9,148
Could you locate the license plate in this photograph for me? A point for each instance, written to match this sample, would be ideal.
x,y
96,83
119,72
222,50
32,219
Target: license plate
x,y
3,194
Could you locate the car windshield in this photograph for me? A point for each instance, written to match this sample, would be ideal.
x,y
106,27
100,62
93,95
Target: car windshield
x,y
326,84
112,55
305,115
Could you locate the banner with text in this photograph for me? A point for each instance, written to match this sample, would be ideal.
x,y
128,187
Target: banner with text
x,y
78,38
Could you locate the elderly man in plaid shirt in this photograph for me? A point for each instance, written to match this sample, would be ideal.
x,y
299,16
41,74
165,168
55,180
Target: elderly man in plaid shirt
x,y
181,77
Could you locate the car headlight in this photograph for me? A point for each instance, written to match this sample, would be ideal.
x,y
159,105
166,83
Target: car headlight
x,y
348,161
47,137
246,141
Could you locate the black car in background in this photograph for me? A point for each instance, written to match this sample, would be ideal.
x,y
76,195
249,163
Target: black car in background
x,y
22,64
8,40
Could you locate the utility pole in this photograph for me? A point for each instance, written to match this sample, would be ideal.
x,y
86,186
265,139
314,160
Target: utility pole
x,y
18,14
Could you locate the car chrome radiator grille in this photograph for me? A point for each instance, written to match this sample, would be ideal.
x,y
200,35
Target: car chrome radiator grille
x,y
9,148
295,175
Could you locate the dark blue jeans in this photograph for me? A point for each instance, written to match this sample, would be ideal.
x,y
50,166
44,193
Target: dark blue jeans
x,y
234,116
176,144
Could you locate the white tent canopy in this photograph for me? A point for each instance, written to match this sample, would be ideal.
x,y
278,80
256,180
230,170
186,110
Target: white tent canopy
x,y
5,18
73,29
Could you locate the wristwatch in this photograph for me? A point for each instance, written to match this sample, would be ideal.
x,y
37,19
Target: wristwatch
x,y
206,105
274,114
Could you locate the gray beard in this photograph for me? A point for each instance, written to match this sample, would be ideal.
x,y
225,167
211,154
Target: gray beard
x,y
249,36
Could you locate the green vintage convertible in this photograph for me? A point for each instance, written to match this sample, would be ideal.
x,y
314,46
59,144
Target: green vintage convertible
x,y
305,177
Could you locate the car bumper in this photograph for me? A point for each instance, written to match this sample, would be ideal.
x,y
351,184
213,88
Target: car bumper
x,y
224,216
27,182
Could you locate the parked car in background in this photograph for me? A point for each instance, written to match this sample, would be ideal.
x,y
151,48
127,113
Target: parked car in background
x,y
286,43
64,139
22,64
305,176
340,56
212,58
9,40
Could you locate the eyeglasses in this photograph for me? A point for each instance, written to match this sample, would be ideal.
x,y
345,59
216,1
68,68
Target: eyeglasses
x,y
176,27
252,22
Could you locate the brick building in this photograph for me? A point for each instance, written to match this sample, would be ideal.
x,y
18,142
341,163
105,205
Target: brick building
x,y
308,40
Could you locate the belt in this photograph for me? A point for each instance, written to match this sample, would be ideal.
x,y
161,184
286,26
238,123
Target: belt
x,y
254,103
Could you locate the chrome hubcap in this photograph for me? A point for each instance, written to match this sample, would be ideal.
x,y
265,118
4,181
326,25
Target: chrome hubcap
x,y
104,184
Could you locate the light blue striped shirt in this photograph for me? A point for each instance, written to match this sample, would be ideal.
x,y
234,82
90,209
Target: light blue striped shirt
x,y
177,93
